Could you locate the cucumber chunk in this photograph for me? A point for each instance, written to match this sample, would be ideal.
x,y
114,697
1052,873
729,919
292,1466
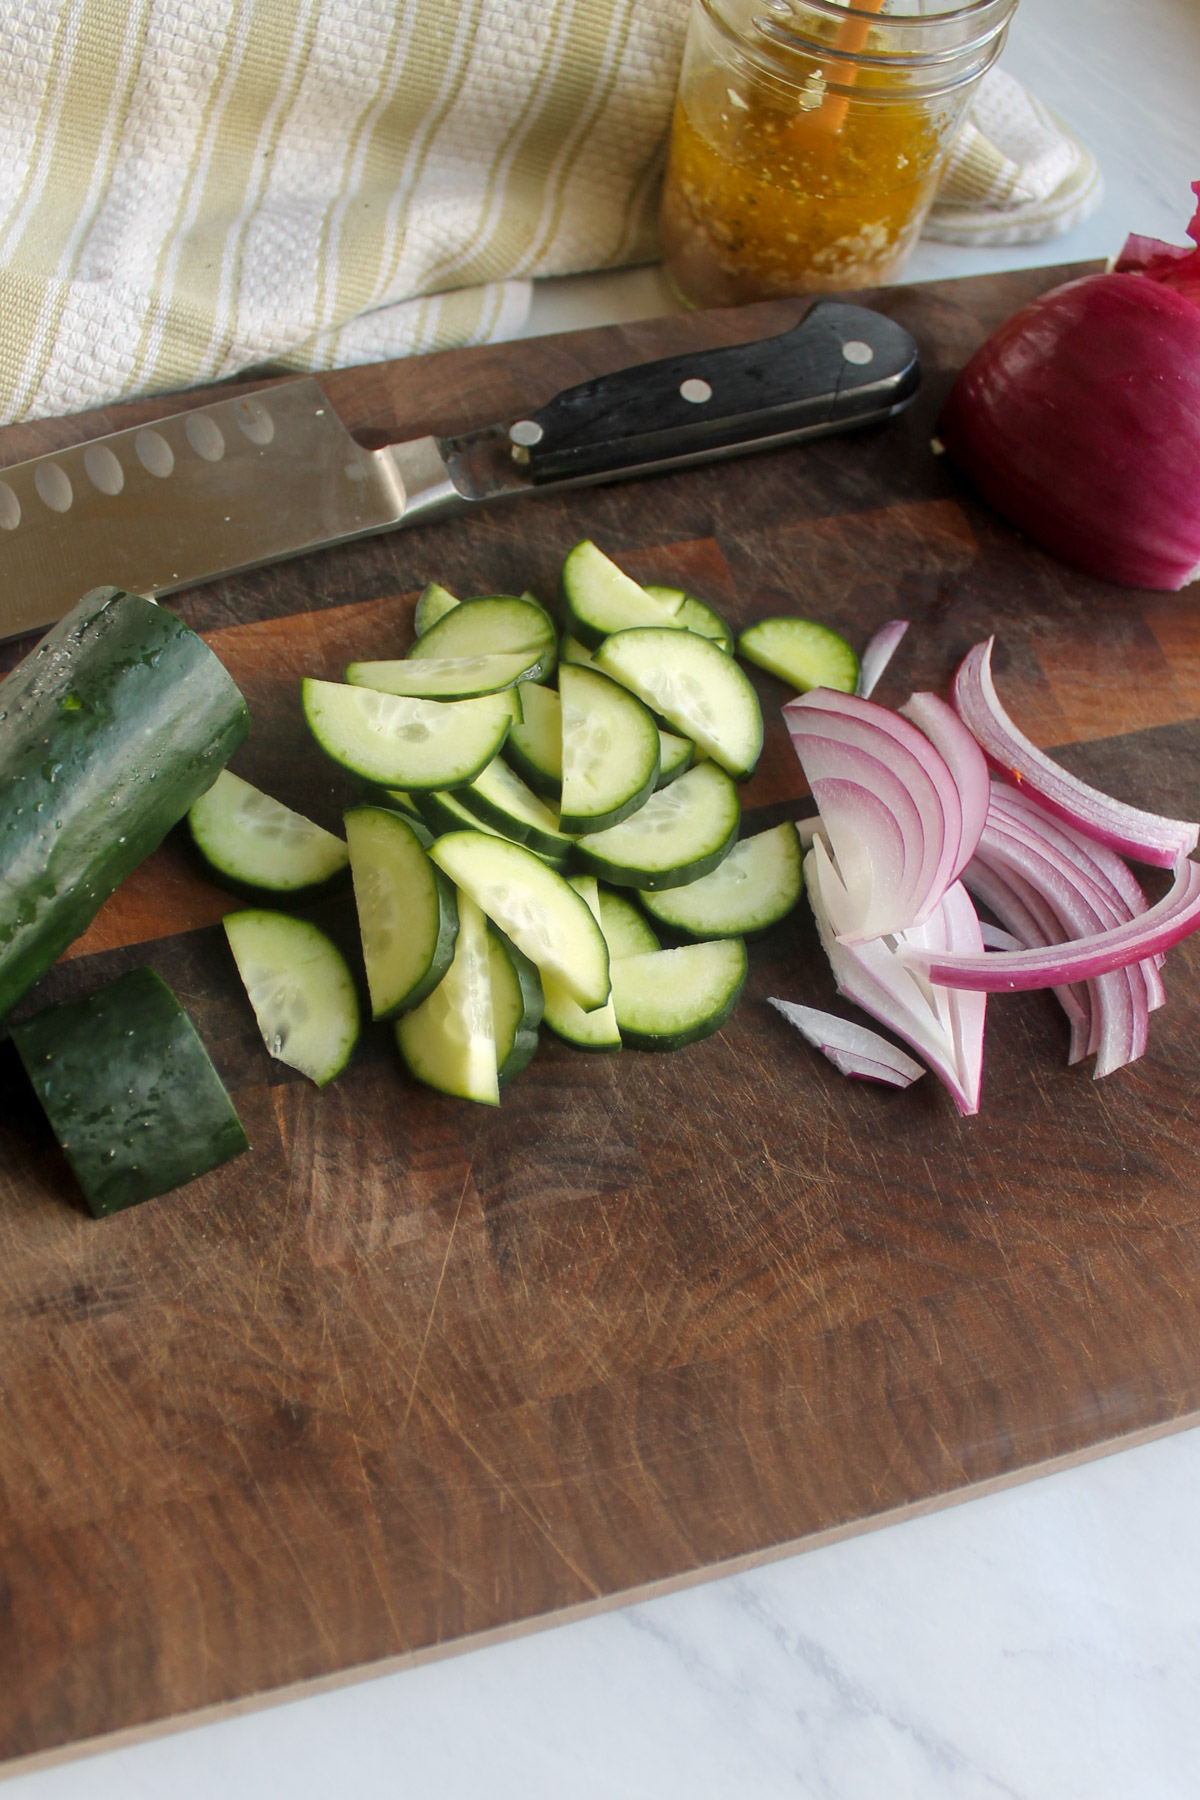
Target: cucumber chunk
x,y
534,747
681,833
517,1005
109,729
494,625
447,677
256,842
433,603
801,652
500,798
443,811
300,988
695,615
407,915
596,1030
758,884
572,651
129,1091
625,930
695,687
669,998
599,598
534,906
399,742
448,1042
675,755
610,750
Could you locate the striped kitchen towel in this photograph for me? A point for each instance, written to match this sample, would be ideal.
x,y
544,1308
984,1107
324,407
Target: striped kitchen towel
x,y
193,188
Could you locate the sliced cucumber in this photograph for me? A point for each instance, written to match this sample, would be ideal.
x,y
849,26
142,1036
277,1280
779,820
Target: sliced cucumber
x,y
535,746
129,1091
696,688
398,742
695,615
407,916
398,801
500,798
625,930
447,677
801,652
494,625
300,988
610,750
534,906
571,650
599,598
256,842
758,884
669,998
449,1042
681,833
444,811
596,1030
434,602
517,1005
675,755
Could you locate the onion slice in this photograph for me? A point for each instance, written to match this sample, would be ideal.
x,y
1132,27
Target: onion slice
x,y
965,761
877,655
1162,925
1148,837
854,1049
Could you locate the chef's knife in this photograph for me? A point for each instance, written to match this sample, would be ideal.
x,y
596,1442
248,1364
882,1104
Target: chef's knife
x,y
252,480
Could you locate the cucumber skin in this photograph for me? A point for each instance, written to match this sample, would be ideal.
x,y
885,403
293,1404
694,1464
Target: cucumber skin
x,y
122,1075
109,729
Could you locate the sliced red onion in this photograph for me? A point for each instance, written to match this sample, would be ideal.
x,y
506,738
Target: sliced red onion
x,y
965,761
1033,925
1149,837
1162,925
994,938
854,1049
877,655
874,830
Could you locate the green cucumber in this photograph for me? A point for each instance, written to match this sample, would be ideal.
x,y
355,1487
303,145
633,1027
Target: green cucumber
x,y
397,742
570,650
599,598
129,1091
801,652
681,833
610,750
758,884
443,811
517,1005
447,677
252,841
300,988
500,798
449,1042
534,747
407,915
695,615
675,756
696,688
534,906
669,998
596,1030
433,603
493,625
625,930
109,729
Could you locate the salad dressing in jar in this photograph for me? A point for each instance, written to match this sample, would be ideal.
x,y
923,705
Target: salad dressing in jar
x,y
809,137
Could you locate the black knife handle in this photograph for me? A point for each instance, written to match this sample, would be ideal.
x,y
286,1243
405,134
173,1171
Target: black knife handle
x,y
840,366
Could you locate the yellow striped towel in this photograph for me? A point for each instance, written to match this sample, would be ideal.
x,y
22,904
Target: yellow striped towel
x,y
191,188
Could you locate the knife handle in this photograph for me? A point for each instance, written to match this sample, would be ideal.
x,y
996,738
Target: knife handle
x,y
840,366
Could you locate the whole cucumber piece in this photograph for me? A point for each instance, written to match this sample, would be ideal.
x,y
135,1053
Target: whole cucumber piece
x,y
109,729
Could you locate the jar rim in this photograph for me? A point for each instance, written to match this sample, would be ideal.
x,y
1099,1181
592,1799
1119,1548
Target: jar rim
x,y
771,35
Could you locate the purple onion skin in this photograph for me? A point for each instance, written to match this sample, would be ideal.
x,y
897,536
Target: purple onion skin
x,y
1079,421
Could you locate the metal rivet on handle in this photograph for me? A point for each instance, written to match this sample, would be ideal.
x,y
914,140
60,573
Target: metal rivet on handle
x,y
526,432
695,390
858,352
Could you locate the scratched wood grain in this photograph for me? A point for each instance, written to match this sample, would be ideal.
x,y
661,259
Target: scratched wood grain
x,y
414,1372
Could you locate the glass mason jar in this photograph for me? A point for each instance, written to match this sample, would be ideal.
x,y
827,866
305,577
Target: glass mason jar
x,y
809,137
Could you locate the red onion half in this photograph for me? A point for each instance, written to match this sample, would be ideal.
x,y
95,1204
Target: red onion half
x,y
1079,421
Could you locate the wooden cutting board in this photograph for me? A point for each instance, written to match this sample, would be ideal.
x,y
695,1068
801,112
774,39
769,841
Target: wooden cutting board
x,y
415,1373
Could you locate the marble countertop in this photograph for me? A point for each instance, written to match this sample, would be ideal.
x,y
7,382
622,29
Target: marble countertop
x,y
1038,1644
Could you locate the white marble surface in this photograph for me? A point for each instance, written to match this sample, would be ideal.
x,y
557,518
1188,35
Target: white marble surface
x,y
1042,1644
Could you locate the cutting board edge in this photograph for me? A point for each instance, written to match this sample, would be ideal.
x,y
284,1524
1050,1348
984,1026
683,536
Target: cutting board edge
x,y
671,1584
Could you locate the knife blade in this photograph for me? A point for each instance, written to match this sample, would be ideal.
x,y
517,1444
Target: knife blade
x,y
256,479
